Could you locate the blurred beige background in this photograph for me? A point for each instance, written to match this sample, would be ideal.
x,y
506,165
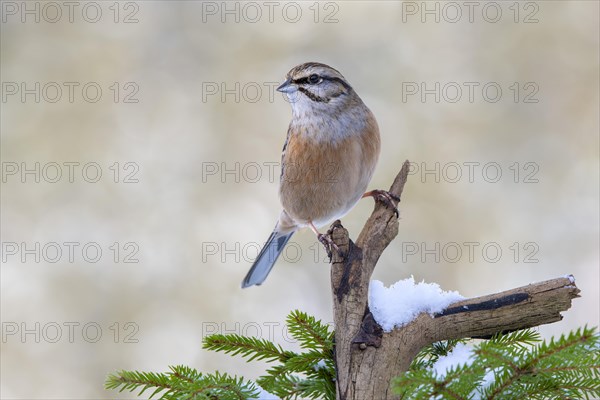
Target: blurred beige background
x,y
185,187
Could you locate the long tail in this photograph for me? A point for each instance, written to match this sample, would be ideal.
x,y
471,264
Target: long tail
x,y
266,259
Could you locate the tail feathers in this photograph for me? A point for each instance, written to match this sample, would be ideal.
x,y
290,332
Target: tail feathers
x,y
266,259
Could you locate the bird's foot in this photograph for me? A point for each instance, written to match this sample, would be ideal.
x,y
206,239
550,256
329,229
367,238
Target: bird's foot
x,y
389,199
329,245
327,239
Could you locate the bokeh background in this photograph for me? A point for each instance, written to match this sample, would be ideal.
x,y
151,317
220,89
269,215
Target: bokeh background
x,y
189,114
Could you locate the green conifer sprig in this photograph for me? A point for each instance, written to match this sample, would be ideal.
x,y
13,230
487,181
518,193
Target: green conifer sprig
x,y
183,383
511,366
307,375
250,347
311,333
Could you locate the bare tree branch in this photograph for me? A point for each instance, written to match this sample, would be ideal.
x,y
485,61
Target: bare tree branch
x,y
367,358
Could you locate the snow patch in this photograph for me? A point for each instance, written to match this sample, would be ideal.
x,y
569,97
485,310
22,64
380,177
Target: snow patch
x,y
460,354
488,379
320,365
404,300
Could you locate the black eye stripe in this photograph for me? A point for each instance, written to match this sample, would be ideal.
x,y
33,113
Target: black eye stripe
x,y
304,81
301,81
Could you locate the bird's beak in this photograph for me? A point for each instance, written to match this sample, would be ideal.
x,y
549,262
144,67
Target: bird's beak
x,y
286,87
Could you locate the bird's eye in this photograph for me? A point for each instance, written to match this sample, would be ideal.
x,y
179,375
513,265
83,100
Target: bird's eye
x,y
314,78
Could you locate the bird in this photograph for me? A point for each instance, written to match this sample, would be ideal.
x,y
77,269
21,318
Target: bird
x,y
328,159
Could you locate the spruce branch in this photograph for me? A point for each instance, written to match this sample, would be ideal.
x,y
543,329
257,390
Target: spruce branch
x,y
511,366
297,375
247,346
279,381
183,383
311,333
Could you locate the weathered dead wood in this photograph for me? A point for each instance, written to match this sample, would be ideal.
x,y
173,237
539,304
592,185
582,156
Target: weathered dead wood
x,y
367,358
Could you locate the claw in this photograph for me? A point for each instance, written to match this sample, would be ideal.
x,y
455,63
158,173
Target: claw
x,y
389,199
327,240
327,243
